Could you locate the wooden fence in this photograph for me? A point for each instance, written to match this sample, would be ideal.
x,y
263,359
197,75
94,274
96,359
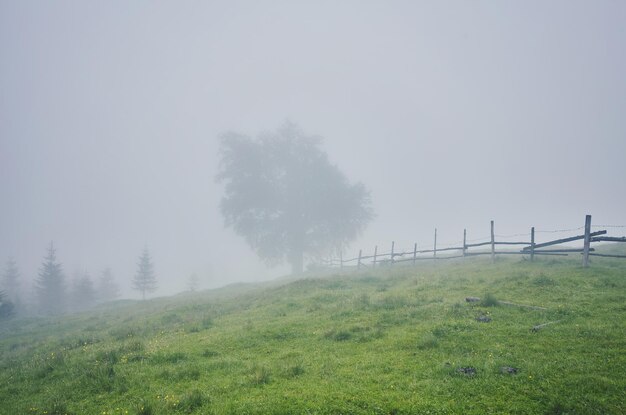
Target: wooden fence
x,y
530,248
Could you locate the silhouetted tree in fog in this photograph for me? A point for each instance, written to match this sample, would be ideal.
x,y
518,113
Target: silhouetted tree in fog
x,y
145,280
83,293
108,290
11,281
194,282
6,306
285,197
50,286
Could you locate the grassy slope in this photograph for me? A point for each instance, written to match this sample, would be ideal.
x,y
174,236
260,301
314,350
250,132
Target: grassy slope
x,y
388,341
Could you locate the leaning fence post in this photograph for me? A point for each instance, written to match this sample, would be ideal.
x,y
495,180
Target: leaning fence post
x,y
532,244
464,242
493,245
435,246
587,241
393,244
358,265
375,255
340,259
414,252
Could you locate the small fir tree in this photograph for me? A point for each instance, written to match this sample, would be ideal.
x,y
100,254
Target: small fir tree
x,y
50,286
108,290
11,281
6,306
145,280
83,293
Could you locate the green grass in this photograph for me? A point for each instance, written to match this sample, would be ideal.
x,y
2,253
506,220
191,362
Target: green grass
x,y
399,340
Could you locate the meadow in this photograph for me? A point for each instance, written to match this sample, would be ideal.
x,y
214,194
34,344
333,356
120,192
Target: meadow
x,y
393,340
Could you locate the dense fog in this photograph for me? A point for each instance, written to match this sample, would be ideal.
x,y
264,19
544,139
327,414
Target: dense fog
x,y
450,114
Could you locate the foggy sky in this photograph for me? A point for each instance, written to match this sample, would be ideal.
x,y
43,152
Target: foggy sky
x,y
452,113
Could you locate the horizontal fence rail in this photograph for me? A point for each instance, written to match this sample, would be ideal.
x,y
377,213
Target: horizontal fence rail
x,y
530,248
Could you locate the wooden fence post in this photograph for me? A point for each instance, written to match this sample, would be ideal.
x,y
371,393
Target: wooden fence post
x,y
435,246
587,241
358,264
414,252
375,255
464,242
341,258
493,245
393,244
532,244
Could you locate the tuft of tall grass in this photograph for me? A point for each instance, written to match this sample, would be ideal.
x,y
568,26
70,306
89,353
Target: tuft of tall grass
x,y
543,281
100,378
110,357
124,332
363,301
209,353
145,408
57,407
293,370
171,318
192,401
393,302
207,322
75,343
133,346
163,357
457,310
338,335
489,300
428,341
48,363
259,375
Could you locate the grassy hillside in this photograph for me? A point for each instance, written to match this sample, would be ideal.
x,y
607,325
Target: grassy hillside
x,y
399,340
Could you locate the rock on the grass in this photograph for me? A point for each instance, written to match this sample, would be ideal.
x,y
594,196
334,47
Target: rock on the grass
x,y
467,371
472,299
509,370
483,319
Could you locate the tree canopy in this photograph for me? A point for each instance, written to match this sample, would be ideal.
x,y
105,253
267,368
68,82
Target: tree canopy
x,y
286,198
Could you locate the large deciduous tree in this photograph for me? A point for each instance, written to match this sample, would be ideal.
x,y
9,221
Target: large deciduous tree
x,y
145,279
286,198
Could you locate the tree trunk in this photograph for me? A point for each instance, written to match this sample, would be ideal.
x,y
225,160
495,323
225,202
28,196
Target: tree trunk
x,y
296,250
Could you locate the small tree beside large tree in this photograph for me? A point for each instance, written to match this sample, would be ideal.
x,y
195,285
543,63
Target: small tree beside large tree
x,y
286,198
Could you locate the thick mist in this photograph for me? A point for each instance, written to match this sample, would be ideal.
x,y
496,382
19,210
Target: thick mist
x,y
452,114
